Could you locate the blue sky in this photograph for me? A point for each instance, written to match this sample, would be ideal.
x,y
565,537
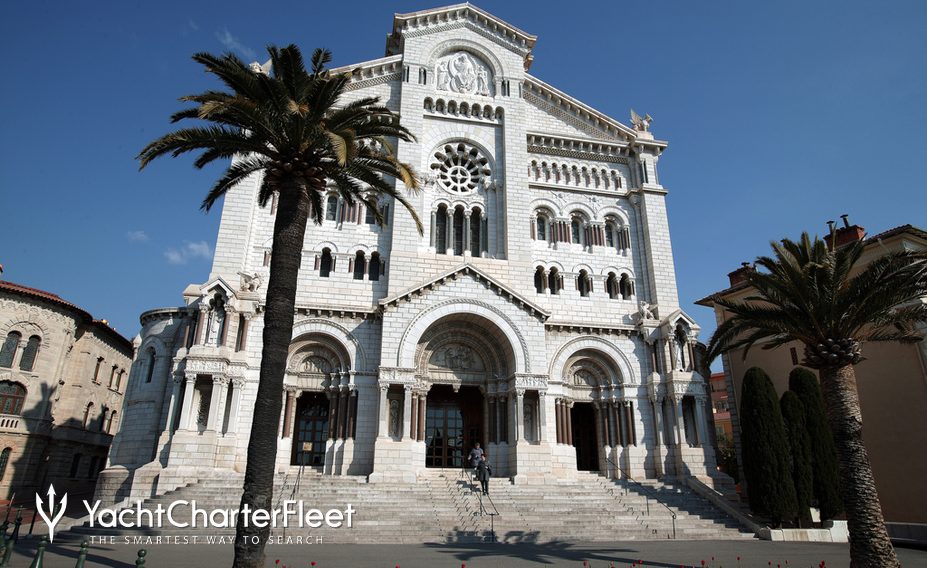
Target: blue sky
x,y
780,116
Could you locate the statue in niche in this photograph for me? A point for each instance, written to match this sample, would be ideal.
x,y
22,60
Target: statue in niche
x,y
394,417
216,320
678,346
443,77
529,422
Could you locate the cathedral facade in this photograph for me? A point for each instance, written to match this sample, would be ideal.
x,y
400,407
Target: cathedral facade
x,y
537,315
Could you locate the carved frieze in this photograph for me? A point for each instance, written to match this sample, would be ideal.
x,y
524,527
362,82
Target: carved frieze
x,y
461,72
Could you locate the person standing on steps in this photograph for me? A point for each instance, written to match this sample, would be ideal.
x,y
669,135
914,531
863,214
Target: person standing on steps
x,y
475,454
483,473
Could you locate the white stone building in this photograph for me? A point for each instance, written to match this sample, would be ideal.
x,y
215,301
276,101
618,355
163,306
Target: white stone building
x,y
537,315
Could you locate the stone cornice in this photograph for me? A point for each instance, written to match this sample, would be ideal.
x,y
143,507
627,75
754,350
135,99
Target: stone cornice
x,y
460,15
582,148
588,328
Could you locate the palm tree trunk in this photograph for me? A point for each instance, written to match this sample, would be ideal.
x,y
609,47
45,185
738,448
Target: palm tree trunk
x,y
870,545
289,232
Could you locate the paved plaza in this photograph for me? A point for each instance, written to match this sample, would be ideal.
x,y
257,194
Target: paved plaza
x,y
670,554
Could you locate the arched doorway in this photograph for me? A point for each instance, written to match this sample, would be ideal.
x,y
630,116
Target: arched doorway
x,y
311,430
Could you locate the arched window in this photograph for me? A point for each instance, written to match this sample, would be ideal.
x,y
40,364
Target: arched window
x,y
331,211
626,287
29,353
458,231
374,268
476,219
325,268
360,263
584,283
441,230
10,345
369,217
610,230
542,227
110,422
12,396
88,414
539,280
554,282
112,376
4,460
151,363
119,380
104,419
576,232
611,286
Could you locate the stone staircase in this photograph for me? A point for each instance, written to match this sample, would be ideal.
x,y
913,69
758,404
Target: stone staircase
x,y
444,506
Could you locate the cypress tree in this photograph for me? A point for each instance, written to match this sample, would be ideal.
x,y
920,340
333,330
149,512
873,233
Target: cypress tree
x,y
804,383
793,415
765,450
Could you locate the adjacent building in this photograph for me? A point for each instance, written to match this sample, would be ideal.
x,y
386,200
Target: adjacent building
x,y
892,382
537,315
63,375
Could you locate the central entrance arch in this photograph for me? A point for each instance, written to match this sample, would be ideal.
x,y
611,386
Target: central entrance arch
x,y
311,430
460,357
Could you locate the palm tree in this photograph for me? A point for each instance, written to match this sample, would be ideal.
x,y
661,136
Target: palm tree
x,y
287,126
828,300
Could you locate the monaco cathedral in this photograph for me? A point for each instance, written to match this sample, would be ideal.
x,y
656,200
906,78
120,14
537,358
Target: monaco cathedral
x,y
537,315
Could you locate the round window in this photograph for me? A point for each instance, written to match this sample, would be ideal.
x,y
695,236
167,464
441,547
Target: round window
x,y
460,168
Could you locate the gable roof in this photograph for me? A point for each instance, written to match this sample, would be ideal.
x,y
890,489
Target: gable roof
x,y
452,275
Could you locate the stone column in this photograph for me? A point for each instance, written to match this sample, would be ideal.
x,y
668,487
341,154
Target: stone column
x,y
542,416
492,434
287,413
569,422
187,409
332,395
486,435
342,414
352,412
597,419
414,430
612,430
657,406
406,411
466,234
432,240
237,386
423,401
383,426
449,239
519,416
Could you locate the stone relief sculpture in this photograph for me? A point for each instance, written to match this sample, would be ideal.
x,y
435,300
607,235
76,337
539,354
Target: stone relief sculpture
x,y
249,282
457,358
641,124
315,364
583,378
679,342
463,73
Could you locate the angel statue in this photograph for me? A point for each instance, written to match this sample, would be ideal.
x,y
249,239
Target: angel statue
x,y
641,124
646,310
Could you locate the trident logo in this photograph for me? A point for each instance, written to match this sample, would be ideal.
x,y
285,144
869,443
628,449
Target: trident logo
x,y
51,522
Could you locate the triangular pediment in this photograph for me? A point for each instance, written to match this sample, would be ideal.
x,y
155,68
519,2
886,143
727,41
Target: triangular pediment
x,y
678,315
465,270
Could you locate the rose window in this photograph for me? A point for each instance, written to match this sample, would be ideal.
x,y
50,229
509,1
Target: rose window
x,y
460,168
